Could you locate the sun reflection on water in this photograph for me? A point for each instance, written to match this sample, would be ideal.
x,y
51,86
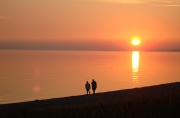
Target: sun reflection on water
x,y
135,67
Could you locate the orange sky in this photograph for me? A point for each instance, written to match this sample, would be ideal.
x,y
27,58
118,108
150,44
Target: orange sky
x,y
99,24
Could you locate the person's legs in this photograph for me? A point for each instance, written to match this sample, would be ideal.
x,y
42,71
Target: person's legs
x,y
88,91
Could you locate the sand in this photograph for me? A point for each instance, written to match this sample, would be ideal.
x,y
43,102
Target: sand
x,y
136,102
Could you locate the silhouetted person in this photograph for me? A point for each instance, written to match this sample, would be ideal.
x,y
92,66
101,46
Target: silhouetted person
x,y
94,86
88,87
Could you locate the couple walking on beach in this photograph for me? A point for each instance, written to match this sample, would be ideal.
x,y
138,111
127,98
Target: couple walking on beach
x,y
88,86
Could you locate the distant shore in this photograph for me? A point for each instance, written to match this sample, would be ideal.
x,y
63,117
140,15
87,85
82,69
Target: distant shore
x,y
152,101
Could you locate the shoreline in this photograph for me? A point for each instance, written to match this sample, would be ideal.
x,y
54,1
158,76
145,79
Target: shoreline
x,y
168,94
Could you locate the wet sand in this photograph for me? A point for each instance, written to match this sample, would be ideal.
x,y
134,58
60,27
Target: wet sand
x,y
158,100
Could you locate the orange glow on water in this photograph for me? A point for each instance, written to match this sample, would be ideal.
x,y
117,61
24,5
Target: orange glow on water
x,y
135,66
36,88
135,61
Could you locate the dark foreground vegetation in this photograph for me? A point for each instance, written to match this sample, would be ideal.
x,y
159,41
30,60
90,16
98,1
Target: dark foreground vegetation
x,y
160,101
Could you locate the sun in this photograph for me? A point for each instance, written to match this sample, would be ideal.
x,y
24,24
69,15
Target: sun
x,y
136,41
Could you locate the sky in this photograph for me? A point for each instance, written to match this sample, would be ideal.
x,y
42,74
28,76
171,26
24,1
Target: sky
x,y
89,24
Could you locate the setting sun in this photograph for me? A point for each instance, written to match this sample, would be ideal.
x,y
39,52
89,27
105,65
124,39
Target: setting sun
x,y
135,41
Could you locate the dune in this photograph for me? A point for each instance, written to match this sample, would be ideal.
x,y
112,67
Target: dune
x,y
151,101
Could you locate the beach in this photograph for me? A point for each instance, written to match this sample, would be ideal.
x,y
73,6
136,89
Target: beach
x,y
151,101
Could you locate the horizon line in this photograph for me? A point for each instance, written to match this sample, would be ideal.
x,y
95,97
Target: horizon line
x,y
160,50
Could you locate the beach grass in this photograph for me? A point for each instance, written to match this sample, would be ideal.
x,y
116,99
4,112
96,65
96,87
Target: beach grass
x,y
158,101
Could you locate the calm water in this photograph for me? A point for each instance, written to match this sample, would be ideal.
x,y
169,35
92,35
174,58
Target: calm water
x,y
31,75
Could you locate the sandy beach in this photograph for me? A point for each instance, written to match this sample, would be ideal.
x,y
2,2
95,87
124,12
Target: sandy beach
x,y
152,101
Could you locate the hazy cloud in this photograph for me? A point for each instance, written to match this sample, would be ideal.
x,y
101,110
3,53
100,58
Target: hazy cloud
x,y
123,1
4,17
166,3
170,3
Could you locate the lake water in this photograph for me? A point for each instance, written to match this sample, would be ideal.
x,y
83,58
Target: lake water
x,y
30,75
